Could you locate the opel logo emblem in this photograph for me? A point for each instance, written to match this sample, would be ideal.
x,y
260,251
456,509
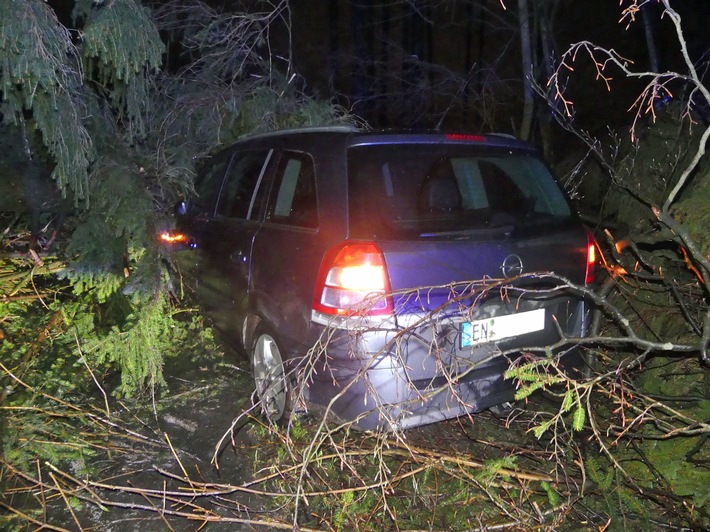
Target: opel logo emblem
x,y
512,266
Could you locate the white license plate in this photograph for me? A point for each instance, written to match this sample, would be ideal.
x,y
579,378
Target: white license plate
x,y
493,329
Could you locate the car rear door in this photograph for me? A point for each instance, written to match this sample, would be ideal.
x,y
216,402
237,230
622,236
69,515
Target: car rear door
x,y
288,250
225,235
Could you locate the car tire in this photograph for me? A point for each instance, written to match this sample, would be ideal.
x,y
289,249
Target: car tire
x,y
270,380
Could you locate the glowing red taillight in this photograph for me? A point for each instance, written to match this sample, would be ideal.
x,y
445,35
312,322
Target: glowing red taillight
x,y
353,280
591,272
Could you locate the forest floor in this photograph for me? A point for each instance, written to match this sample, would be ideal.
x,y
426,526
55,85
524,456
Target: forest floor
x,y
168,466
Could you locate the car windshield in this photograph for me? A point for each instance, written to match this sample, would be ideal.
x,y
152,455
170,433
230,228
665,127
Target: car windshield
x,y
422,191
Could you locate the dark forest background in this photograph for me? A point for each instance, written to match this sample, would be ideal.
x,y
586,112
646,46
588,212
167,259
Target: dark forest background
x,y
458,64
107,107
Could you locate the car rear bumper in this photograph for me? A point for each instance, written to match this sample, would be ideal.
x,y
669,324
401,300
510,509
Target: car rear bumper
x,y
385,376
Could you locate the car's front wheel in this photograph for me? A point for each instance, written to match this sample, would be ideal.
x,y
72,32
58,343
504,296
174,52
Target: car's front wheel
x,y
270,379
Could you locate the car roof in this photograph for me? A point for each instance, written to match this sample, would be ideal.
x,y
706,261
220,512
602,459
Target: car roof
x,y
353,136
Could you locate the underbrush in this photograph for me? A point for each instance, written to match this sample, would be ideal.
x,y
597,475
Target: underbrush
x,y
624,448
160,466
456,475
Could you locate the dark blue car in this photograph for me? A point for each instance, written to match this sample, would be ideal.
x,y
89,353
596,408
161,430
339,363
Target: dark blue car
x,y
388,279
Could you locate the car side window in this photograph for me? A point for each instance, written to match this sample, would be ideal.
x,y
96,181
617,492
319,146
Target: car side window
x,y
238,198
209,182
294,200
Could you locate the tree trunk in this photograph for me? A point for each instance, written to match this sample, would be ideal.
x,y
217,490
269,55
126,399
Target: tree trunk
x,y
526,49
333,44
545,15
648,19
362,45
475,39
384,64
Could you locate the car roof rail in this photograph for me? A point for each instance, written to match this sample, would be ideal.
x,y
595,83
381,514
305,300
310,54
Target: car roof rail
x,y
338,128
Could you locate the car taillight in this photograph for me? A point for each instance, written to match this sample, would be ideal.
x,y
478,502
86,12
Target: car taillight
x,y
173,238
591,272
353,280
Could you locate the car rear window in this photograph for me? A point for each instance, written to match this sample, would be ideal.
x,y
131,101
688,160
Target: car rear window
x,y
420,191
